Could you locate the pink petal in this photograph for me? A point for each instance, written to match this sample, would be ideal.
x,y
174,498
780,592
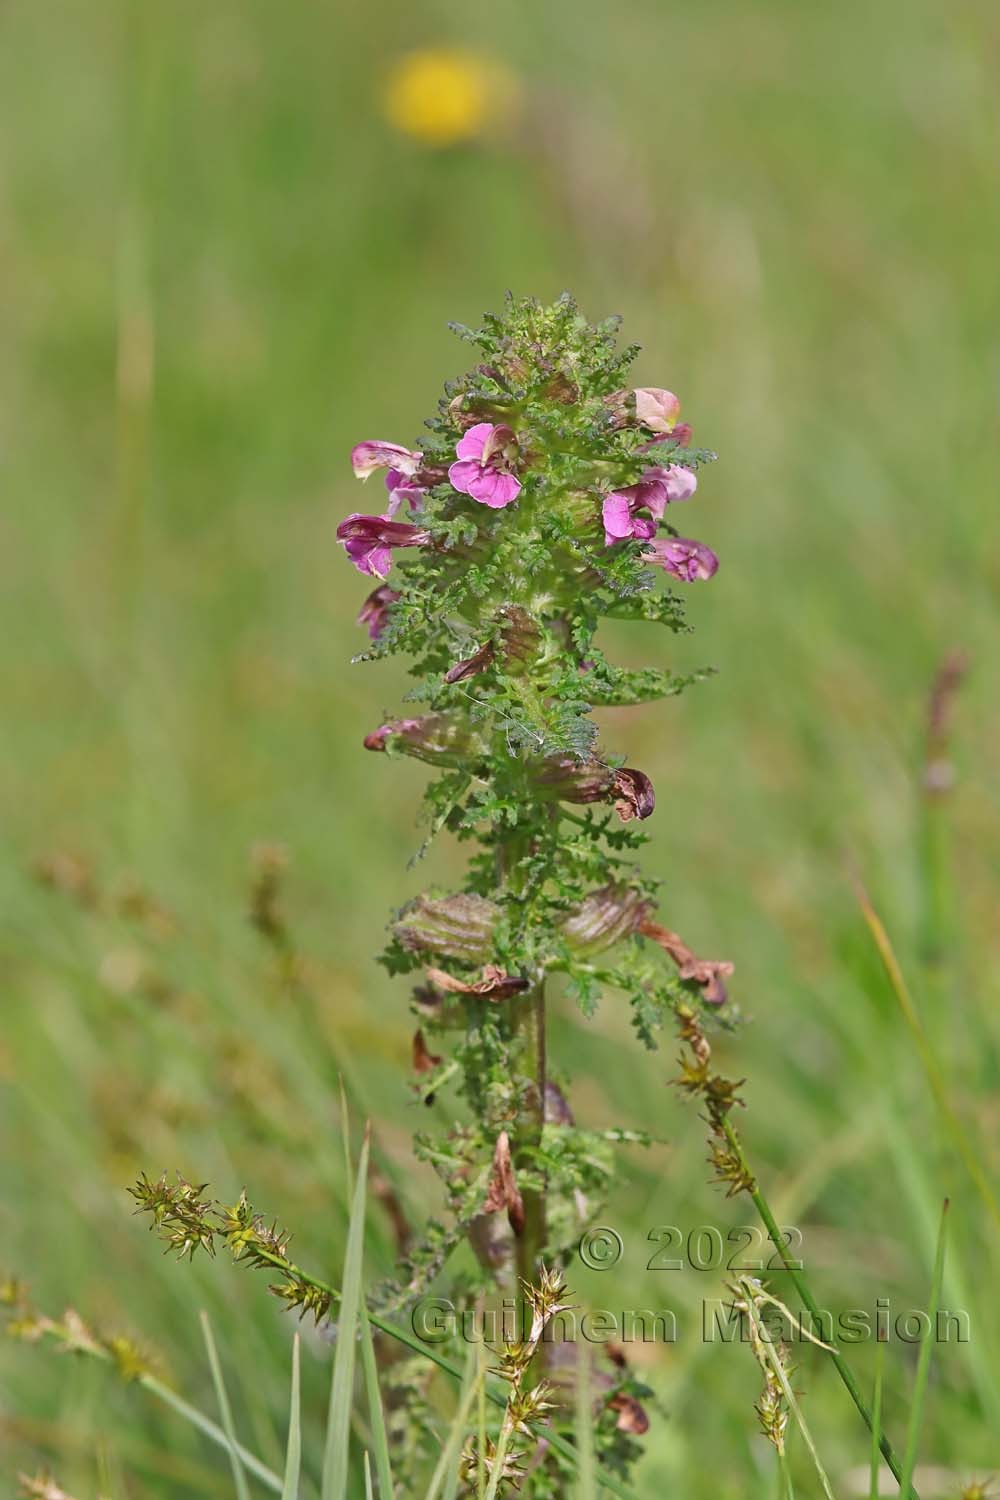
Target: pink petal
x,y
491,487
680,482
685,559
379,562
381,530
656,408
617,514
464,473
472,443
373,560
367,457
401,490
652,495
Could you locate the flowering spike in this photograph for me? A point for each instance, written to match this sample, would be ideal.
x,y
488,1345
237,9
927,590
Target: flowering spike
x,y
534,509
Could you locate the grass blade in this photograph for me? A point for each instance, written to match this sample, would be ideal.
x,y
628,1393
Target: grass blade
x,y
932,1070
337,1450
380,1440
586,1487
345,1136
785,1478
369,1492
924,1363
239,1473
293,1453
876,1420
447,1465
211,1430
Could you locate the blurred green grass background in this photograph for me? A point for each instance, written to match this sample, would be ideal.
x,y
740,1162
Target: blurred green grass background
x,y
222,267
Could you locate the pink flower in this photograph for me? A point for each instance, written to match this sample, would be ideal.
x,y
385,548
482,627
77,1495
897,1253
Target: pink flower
x,y
683,558
657,489
375,611
482,469
620,518
402,487
368,541
656,409
367,457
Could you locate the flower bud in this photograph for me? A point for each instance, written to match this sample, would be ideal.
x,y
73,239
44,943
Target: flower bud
x,y
459,926
618,405
556,1105
520,638
636,798
656,409
423,1060
472,665
562,388
632,1416
375,611
434,738
562,778
603,918
685,559
503,1191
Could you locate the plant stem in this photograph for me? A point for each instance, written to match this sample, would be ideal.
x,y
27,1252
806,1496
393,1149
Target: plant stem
x,y
528,1067
530,1034
802,1287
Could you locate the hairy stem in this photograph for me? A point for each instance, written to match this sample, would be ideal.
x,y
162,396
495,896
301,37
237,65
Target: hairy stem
x,y
530,1040
528,1066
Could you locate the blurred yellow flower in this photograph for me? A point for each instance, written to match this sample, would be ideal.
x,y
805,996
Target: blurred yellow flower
x,y
443,95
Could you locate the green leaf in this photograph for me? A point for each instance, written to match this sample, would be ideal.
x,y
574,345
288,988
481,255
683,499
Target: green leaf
x,y
293,1453
446,1471
923,1364
876,1422
210,1429
586,1487
337,1449
380,1441
239,1474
